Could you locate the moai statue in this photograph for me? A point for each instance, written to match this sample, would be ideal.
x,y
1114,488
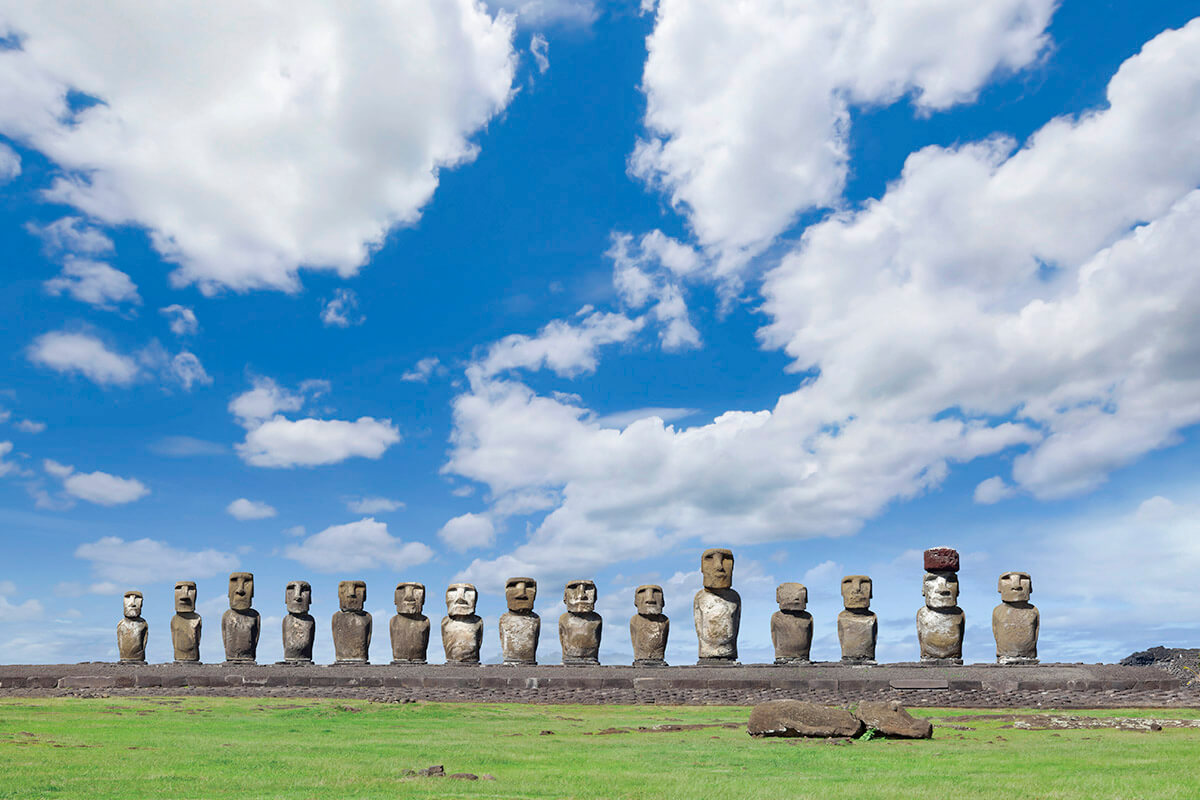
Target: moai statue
x,y
520,626
941,623
185,625
857,625
791,625
717,609
649,627
351,625
579,628
462,630
299,627
1015,621
409,628
240,625
132,631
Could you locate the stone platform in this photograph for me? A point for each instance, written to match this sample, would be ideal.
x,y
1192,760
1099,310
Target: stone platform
x,y
972,685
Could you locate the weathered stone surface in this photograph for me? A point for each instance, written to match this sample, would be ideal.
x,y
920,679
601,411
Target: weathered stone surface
x,y
717,608
409,629
941,558
798,718
857,626
580,627
299,627
941,623
520,627
240,625
186,624
649,628
132,630
893,720
462,630
791,625
351,624
1015,622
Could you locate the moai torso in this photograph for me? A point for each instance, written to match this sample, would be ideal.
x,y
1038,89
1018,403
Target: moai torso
x,y
239,631
718,615
131,640
185,636
462,636
940,633
857,632
351,636
299,632
791,633
410,638
519,632
649,635
579,635
1015,622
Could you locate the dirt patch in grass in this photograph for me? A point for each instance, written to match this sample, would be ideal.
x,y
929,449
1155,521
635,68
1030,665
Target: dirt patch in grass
x,y
664,728
1071,722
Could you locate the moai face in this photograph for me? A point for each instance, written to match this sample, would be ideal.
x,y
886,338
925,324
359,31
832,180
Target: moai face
x,y
856,591
241,590
410,598
460,599
717,567
185,597
649,600
1015,587
792,596
940,589
133,604
352,595
519,593
298,597
580,596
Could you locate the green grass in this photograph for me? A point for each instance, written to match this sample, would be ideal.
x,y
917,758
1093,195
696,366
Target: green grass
x,y
259,748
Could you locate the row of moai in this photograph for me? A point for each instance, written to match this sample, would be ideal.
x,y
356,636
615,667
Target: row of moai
x,y
716,611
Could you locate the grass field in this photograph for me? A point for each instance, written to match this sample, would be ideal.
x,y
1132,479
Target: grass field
x,y
256,748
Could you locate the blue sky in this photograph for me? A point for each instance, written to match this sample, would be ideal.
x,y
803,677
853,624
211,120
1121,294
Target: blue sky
x,y
439,291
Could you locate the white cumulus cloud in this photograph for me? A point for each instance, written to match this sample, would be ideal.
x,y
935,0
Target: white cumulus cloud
x,y
560,346
252,139
84,354
341,310
94,283
467,532
362,545
373,505
182,320
71,235
282,442
243,509
423,370
146,560
100,488
10,164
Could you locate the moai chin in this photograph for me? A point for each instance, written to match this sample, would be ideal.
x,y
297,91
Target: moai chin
x,y
240,624
299,627
185,625
858,628
520,627
1015,621
941,623
410,627
717,609
462,630
649,627
791,625
132,630
351,625
580,627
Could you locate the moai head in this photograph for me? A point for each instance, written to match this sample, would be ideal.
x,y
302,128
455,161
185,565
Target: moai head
x,y
792,596
856,591
1015,587
352,595
133,604
241,590
649,600
580,596
941,577
298,597
519,593
410,598
185,596
460,599
717,567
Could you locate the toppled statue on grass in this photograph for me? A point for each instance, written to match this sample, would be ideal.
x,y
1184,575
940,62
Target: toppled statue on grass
x,y
185,625
299,627
941,623
580,627
717,609
410,627
351,625
240,624
791,625
520,627
1015,621
649,627
462,630
132,630
858,628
